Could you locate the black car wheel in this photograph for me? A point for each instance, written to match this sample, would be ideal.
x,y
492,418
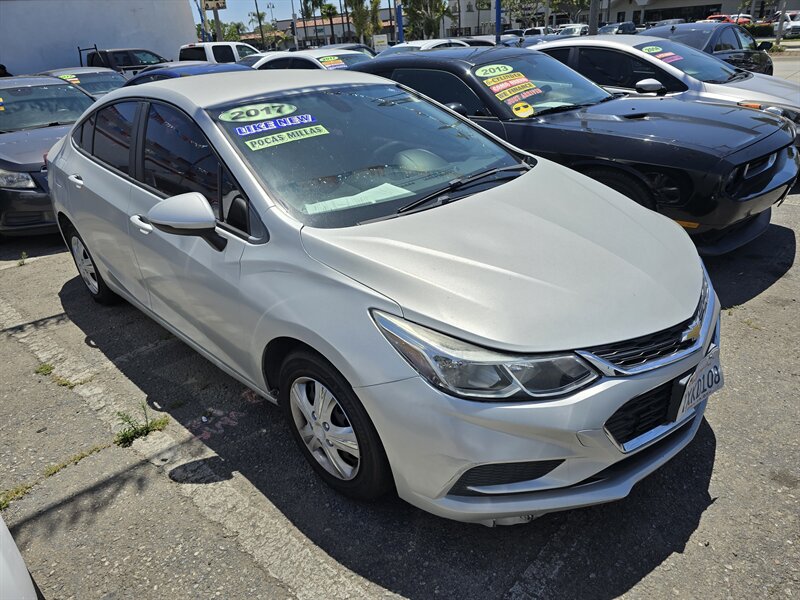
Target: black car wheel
x,y
332,428
94,282
623,183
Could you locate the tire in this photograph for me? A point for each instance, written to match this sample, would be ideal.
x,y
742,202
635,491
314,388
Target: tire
x,y
87,269
313,382
623,183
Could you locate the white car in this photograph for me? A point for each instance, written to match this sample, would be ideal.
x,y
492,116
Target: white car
x,y
646,65
15,581
216,52
320,58
791,23
491,334
422,45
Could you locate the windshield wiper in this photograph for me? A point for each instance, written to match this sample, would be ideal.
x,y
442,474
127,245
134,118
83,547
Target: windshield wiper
x,y
442,196
557,109
737,76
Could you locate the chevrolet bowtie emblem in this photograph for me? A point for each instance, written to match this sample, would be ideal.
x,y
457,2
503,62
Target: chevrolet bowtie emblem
x,y
692,333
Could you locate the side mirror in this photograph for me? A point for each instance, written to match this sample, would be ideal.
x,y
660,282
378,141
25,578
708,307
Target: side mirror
x,y
765,46
457,107
187,214
650,86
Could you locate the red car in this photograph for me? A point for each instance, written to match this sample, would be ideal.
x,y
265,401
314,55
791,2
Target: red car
x,y
720,18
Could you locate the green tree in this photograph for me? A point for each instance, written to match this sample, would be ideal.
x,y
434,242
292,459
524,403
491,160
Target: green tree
x,y
360,15
375,21
254,19
573,8
425,16
524,11
328,11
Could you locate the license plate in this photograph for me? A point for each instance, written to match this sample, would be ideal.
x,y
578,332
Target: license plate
x,y
706,379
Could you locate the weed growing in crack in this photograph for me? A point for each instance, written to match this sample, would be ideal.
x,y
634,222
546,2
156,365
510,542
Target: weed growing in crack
x,y
134,429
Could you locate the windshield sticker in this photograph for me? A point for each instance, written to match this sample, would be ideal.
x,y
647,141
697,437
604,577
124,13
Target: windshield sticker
x,y
1,105
332,62
519,97
515,90
492,70
274,124
499,87
652,49
256,112
523,110
500,78
669,57
295,135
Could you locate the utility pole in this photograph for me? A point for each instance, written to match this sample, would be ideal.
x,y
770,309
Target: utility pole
x,y
392,30
260,28
217,24
781,21
594,14
498,25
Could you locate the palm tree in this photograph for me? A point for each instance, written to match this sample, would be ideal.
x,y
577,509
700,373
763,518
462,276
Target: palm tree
x,y
256,19
316,5
375,21
328,11
305,12
359,13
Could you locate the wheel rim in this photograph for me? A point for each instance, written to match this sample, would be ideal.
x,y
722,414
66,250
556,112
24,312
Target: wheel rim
x,y
85,264
324,428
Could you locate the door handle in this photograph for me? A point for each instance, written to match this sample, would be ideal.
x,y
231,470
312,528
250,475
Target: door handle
x,y
77,180
141,224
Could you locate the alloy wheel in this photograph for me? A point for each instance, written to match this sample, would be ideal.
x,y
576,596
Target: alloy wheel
x,y
84,264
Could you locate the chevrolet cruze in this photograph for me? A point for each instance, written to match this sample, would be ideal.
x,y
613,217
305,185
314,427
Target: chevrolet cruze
x,y
491,334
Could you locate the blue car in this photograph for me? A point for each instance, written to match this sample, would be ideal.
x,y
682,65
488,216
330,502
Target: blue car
x,y
182,69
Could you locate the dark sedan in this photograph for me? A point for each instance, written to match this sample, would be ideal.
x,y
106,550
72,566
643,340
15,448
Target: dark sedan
x,y
35,112
716,170
183,69
726,41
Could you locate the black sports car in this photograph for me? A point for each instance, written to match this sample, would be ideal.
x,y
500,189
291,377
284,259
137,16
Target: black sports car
x,y
717,170
726,41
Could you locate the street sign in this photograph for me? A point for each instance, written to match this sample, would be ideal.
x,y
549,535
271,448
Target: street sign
x,y
214,4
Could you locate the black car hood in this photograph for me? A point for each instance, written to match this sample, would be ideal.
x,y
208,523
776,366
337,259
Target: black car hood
x,y
24,150
714,129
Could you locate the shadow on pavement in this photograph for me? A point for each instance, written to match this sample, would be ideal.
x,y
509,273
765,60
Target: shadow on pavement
x,y
33,246
599,552
747,272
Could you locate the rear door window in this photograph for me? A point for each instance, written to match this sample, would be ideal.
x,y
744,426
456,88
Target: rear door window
x,y
727,41
224,54
443,87
278,63
747,41
196,53
303,63
617,69
112,134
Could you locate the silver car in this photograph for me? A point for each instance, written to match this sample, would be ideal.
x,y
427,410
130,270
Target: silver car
x,y
640,64
492,334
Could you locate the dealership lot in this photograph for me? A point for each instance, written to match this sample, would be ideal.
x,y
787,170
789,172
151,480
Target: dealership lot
x,y
222,501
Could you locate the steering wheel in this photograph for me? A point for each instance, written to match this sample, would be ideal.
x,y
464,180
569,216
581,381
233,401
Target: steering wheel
x,y
388,150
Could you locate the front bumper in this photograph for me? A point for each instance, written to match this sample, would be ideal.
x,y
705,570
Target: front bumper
x,y
431,439
26,212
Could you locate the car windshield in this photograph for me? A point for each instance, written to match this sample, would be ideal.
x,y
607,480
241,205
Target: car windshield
x,y
339,156
608,29
95,83
695,37
30,107
694,63
573,30
524,86
250,60
342,61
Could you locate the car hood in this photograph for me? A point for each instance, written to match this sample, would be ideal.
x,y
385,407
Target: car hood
x,y
24,150
718,129
761,88
549,261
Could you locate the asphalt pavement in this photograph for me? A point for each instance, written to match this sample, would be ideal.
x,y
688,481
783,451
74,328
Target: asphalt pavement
x,y
222,504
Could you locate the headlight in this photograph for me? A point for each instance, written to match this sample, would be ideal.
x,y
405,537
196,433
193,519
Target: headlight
x,y
469,371
13,179
790,113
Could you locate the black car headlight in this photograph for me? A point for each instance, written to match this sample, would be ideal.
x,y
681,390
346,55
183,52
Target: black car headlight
x,y
463,369
16,180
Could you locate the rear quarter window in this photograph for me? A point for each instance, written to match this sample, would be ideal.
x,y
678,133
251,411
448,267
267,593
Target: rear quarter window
x,y
198,53
223,54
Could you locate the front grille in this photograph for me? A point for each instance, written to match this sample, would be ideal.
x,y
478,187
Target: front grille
x,y
641,414
501,474
631,353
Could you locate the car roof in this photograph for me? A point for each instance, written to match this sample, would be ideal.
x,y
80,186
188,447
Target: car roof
x,y
616,41
76,71
30,80
235,85
422,42
192,44
343,46
690,27
121,50
199,69
466,56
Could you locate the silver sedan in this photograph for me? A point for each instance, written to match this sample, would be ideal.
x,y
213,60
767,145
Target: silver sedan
x,y
640,64
491,334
